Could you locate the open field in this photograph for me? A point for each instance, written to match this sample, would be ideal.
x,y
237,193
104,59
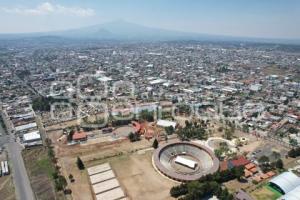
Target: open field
x,y
131,162
138,178
7,191
40,169
265,193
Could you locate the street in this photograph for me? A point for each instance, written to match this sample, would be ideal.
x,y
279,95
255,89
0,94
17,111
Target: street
x,y
21,181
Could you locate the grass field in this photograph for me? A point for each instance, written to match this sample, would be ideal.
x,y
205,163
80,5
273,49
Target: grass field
x,y
266,193
40,170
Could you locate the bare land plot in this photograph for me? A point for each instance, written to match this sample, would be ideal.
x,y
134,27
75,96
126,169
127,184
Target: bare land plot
x,y
40,169
138,177
7,191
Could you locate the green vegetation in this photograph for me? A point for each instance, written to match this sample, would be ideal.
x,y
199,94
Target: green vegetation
x,y
266,165
80,164
133,137
45,164
192,131
266,192
293,153
170,130
146,115
155,144
44,103
293,142
222,151
208,185
2,123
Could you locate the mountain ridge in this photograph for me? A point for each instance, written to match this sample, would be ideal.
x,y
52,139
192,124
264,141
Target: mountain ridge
x,y
123,30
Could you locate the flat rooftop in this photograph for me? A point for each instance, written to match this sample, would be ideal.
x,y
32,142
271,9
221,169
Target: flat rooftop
x,y
111,194
97,178
105,186
98,169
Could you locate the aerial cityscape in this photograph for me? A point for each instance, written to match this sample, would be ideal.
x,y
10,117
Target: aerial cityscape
x,y
150,100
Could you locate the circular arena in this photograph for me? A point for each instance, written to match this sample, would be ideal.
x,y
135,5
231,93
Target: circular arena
x,y
185,161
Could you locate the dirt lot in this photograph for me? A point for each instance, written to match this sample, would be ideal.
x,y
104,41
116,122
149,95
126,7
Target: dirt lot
x,y
7,191
130,161
138,178
39,169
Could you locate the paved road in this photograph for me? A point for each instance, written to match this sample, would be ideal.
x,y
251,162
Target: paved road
x,y
21,180
23,188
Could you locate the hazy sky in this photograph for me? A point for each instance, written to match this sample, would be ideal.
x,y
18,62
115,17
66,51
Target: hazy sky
x,y
256,18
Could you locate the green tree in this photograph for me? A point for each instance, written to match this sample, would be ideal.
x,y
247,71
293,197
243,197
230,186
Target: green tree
x,y
279,164
155,144
169,130
80,164
293,142
60,183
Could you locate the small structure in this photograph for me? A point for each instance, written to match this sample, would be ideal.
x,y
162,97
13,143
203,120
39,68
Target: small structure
x,y
166,123
229,164
79,136
186,162
32,139
104,183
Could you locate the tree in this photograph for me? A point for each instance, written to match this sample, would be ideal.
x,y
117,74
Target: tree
x,y
228,134
48,142
169,130
70,135
60,183
80,164
155,144
133,137
71,178
146,115
279,164
293,142
264,159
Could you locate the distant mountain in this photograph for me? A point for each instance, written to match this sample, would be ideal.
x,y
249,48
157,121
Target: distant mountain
x,y
122,30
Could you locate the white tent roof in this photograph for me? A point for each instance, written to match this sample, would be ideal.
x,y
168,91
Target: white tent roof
x,y
292,195
166,123
287,181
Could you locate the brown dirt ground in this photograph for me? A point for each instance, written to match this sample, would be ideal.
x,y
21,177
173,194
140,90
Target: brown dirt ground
x,y
39,173
138,178
7,191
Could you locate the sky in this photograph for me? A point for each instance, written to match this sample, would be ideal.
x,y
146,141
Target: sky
x,y
250,18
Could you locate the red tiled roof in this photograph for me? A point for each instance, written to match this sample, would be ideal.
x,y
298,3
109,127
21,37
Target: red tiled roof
x,y
79,135
271,173
253,170
250,166
223,165
136,126
241,161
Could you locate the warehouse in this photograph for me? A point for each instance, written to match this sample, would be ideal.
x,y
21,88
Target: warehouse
x,y
285,182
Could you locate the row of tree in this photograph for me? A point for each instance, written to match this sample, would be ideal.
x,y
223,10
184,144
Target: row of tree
x,y
59,180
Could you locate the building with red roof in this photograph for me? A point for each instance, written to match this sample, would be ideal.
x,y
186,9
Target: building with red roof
x,y
79,136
